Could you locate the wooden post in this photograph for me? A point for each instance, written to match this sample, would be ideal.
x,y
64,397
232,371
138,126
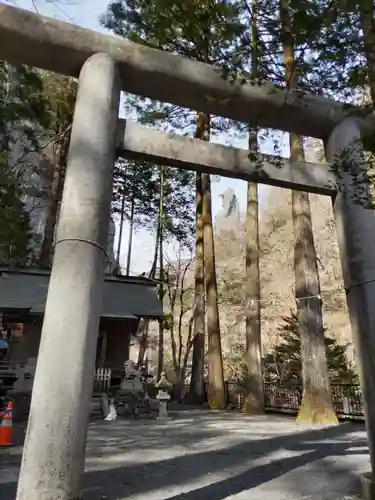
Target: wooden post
x,y
103,348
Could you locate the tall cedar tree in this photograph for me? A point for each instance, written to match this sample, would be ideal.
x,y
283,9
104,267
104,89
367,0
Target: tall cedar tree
x,y
133,200
206,31
215,390
196,392
254,398
158,200
136,199
161,271
316,406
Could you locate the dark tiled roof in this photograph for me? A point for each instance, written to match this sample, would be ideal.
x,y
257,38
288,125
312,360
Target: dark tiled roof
x,y
122,297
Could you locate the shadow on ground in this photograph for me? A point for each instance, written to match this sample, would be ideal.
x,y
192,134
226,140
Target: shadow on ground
x,y
213,456
310,446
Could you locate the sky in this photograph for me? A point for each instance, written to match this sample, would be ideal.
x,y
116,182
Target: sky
x,y
86,13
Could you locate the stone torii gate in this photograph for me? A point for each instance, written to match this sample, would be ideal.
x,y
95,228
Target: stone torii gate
x,y
54,452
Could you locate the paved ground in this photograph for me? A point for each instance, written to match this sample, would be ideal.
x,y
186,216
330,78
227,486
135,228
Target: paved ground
x,y
207,455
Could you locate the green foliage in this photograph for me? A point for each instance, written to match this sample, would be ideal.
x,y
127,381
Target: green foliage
x,y
283,364
204,30
22,117
234,363
60,94
231,286
134,180
15,230
22,107
140,181
37,115
339,63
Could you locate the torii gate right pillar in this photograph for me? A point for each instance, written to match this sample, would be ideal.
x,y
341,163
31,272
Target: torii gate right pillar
x,y
355,225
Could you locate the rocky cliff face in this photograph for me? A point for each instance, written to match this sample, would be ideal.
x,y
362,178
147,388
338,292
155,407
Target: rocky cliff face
x,y
229,218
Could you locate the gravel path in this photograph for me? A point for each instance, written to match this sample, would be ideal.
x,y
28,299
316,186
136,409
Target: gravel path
x,y
208,455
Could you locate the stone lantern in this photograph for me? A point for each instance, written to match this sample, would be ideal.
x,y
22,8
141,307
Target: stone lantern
x,y
163,397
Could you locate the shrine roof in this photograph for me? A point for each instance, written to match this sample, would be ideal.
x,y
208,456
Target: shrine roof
x,y
123,297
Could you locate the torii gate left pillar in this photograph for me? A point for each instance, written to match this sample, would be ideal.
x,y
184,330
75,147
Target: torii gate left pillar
x,y
54,453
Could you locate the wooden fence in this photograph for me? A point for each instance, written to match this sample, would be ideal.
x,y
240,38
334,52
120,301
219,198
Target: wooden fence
x,y
347,399
102,380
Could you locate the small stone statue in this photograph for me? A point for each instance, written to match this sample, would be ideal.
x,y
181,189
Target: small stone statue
x,y
132,378
25,376
130,368
112,415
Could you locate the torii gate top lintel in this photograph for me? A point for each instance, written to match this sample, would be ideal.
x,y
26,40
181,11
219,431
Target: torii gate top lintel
x,y
28,38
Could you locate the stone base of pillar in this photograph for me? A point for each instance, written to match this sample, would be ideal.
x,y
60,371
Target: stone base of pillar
x,y
368,486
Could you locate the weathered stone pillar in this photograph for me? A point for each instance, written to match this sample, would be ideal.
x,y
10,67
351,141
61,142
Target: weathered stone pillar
x,y
54,452
355,226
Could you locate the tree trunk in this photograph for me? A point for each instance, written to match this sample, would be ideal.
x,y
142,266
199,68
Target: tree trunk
x,y
143,341
154,264
130,242
367,14
254,398
59,166
161,274
122,217
178,385
216,389
142,331
316,406
196,393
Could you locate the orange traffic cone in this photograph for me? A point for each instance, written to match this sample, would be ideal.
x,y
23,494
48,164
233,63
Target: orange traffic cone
x,y
6,426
